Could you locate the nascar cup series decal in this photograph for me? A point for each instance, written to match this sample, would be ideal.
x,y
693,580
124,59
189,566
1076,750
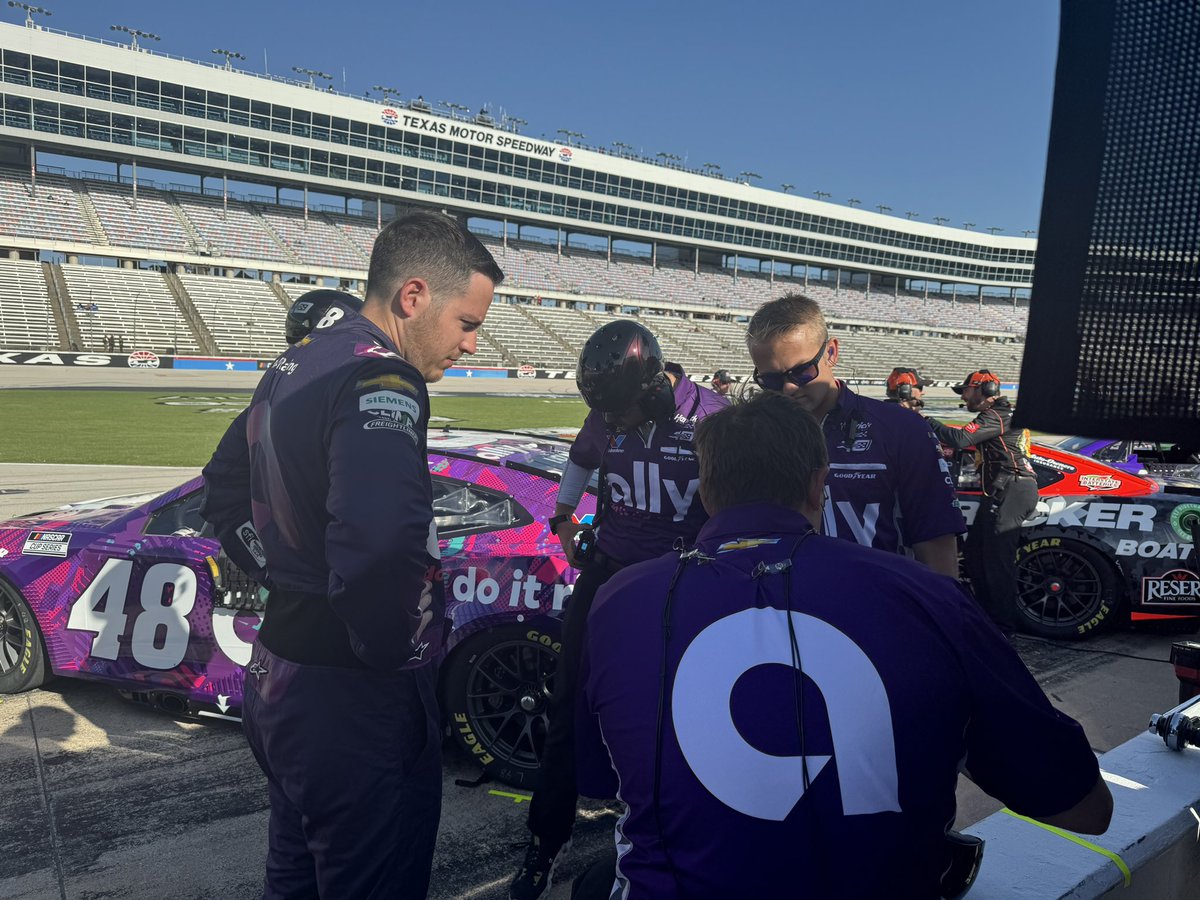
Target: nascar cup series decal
x,y
47,543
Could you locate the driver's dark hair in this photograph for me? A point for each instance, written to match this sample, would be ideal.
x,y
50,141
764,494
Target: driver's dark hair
x,y
431,246
775,318
776,466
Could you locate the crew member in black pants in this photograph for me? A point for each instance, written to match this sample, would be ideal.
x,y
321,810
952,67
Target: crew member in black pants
x,y
639,436
1010,494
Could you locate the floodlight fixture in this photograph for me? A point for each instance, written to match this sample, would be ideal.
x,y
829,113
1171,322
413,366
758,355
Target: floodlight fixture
x,y
853,202
995,229
134,34
910,215
822,195
230,56
390,94
30,12
968,225
787,187
312,73
883,209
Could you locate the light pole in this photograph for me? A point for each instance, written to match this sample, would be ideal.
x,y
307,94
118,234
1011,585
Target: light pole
x,y
230,56
568,134
822,195
134,34
787,187
388,93
1028,231
624,148
883,209
968,225
312,74
995,230
940,220
30,12
746,176
514,123
853,202
457,107
711,167
910,215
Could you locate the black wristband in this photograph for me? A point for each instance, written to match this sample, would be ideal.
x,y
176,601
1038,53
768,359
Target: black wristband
x,y
555,521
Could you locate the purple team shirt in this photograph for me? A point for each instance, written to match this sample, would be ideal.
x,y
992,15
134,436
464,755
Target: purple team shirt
x,y
904,679
888,485
653,477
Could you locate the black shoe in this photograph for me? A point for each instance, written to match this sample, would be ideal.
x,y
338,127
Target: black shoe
x,y
537,872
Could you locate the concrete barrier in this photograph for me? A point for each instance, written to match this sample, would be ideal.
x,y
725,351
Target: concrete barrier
x,y
1155,832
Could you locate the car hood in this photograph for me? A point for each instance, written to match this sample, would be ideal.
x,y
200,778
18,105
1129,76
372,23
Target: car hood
x,y
99,513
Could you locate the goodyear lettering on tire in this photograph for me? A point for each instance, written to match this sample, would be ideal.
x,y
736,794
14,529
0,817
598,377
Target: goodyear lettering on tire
x,y
545,640
468,737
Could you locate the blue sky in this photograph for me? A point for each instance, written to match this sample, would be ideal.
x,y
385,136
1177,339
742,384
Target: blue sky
x,y
941,107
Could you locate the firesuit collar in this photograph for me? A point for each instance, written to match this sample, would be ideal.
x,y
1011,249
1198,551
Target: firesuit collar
x,y
751,520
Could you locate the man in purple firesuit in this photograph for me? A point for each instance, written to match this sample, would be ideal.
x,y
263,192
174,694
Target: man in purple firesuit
x,y
786,715
226,503
888,487
639,435
340,707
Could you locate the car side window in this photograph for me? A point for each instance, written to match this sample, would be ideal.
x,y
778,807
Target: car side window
x,y
183,515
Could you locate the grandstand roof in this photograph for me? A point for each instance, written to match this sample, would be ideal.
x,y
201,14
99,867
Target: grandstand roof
x,y
93,98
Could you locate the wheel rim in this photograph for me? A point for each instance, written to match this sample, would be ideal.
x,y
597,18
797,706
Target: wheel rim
x,y
1059,587
508,690
12,634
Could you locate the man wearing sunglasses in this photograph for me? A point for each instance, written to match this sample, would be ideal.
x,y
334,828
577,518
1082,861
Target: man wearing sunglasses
x,y
888,486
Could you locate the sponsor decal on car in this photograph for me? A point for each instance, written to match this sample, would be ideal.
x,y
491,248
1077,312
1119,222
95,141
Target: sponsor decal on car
x,y
1055,464
1175,586
143,359
47,543
1184,519
1099,482
1154,549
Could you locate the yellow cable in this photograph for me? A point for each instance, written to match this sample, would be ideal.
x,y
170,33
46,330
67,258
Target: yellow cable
x,y
1076,839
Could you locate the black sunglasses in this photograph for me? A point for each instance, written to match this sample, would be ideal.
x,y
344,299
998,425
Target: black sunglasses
x,y
798,375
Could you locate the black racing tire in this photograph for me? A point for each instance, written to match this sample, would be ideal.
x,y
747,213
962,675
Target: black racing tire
x,y
495,689
22,653
1066,589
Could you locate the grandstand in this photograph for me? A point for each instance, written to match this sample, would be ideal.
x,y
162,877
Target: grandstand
x,y
188,267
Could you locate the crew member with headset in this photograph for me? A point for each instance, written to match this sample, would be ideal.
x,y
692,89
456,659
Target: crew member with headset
x,y
906,387
756,700
1010,493
638,433
722,382
226,503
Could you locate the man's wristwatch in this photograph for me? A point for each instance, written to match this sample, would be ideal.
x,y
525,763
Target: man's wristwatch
x,y
555,521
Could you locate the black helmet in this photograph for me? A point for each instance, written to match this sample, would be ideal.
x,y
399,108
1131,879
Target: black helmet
x,y
620,364
309,309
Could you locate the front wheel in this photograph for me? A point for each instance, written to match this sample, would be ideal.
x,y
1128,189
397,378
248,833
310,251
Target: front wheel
x,y
1066,589
496,692
22,656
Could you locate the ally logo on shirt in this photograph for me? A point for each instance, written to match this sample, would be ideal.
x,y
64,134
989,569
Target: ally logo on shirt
x,y
760,784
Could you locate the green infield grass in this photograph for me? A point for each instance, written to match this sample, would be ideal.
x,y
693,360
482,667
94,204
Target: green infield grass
x,y
148,428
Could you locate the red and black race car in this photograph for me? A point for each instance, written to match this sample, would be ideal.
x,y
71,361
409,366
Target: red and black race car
x,y
1104,546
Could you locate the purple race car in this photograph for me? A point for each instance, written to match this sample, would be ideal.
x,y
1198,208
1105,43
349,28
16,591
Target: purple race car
x,y
136,593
